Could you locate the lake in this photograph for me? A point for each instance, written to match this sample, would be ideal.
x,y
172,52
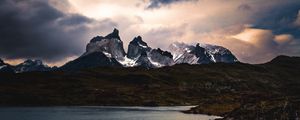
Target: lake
x,y
99,113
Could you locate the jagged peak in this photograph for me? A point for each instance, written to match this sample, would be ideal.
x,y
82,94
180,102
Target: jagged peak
x,y
199,48
139,41
114,34
164,53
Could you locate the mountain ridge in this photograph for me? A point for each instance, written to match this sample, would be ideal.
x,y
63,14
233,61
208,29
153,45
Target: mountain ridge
x,y
139,54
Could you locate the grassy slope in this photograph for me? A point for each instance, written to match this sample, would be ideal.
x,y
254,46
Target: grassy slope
x,y
219,89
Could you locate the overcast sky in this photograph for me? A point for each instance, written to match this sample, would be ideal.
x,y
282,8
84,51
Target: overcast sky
x,y
58,30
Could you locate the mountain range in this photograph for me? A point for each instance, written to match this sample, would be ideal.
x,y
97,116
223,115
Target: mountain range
x,y
108,51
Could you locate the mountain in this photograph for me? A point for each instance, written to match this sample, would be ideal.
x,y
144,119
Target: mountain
x,y
161,58
110,45
219,53
146,57
136,47
100,51
91,60
31,65
200,54
108,51
5,67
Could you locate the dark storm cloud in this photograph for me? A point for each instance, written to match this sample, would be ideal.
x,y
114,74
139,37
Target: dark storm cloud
x,y
159,3
35,29
279,18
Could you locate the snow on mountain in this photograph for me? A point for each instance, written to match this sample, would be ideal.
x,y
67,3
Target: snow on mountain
x,y
219,53
109,51
145,62
200,54
31,65
161,58
145,56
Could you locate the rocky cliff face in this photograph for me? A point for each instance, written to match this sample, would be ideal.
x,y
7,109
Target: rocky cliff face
x,y
161,58
144,61
147,57
110,45
136,47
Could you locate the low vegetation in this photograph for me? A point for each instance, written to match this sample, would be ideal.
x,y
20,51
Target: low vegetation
x,y
234,91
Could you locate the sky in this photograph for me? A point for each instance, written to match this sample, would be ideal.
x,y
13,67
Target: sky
x,y
57,31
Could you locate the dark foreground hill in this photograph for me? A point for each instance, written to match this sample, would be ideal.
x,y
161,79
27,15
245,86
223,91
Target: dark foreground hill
x,y
237,90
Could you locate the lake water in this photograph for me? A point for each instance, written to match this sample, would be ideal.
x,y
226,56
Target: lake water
x,y
99,113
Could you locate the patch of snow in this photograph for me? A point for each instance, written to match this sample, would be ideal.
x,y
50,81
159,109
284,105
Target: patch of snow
x,y
187,50
157,64
107,54
175,57
143,45
174,45
213,58
127,62
3,66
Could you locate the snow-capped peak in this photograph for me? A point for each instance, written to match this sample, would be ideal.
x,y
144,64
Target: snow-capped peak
x,y
202,53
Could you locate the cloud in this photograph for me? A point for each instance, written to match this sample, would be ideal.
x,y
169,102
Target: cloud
x,y
158,3
265,44
258,37
60,29
35,29
283,38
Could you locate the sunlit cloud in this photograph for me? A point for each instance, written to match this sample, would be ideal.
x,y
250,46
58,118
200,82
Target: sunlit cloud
x,y
247,28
